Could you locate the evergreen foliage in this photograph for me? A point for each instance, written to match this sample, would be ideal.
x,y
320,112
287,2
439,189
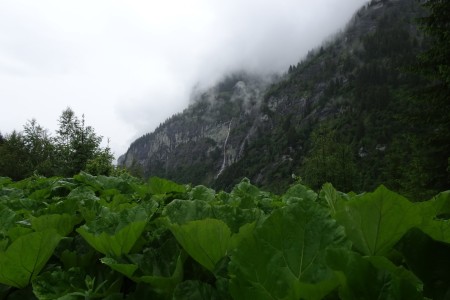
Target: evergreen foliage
x,y
74,148
355,103
432,99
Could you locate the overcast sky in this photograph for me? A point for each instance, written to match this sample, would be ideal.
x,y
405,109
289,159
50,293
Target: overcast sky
x,y
129,65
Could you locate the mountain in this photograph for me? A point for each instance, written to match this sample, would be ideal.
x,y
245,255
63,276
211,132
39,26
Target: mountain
x,y
207,137
340,115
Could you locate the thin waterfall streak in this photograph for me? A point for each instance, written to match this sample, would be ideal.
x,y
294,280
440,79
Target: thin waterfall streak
x,y
225,151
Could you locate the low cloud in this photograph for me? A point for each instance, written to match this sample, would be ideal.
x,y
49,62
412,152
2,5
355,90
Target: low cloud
x,y
129,65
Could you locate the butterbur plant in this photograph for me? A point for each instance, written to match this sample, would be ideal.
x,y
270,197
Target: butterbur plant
x,y
97,237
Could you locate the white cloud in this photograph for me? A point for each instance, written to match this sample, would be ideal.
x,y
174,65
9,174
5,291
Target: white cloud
x,y
129,65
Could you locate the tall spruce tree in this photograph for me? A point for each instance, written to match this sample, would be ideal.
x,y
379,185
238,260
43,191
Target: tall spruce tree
x,y
76,143
39,146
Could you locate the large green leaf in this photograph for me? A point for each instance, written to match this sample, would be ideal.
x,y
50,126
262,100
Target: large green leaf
x,y
333,198
58,284
7,219
441,202
246,195
195,290
162,267
374,222
183,211
63,224
121,184
299,191
436,213
158,186
126,269
26,257
82,193
206,241
245,232
115,244
438,230
114,234
75,284
88,180
372,277
202,193
236,217
285,257
166,285
429,260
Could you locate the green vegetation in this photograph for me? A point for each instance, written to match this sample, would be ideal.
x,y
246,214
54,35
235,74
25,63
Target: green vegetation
x,y
431,100
98,237
76,147
371,105
354,113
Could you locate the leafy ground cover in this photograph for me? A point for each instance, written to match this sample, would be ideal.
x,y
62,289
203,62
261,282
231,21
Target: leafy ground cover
x,y
98,237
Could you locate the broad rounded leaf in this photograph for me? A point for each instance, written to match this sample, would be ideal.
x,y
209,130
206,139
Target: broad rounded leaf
x,y
285,257
374,222
372,277
26,257
206,241
63,224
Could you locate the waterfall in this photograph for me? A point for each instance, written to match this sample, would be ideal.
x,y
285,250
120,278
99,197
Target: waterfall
x,y
224,163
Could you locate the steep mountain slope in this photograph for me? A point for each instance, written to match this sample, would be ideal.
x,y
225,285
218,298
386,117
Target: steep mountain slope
x,y
207,137
338,116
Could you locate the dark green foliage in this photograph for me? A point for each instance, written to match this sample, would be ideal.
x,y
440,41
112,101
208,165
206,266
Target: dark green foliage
x,y
329,161
98,237
76,143
432,99
432,267
75,147
14,161
435,62
40,148
101,162
348,106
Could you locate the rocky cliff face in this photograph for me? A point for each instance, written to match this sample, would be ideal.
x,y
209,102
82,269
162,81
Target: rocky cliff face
x,y
248,126
211,134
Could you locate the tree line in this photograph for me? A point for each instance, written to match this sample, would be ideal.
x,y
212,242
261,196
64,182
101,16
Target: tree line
x,y
75,147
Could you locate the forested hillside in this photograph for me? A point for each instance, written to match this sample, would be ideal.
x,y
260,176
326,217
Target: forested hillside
x,y
342,114
352,112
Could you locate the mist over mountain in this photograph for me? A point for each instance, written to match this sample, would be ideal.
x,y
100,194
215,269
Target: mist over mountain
x,y
198,142
338,116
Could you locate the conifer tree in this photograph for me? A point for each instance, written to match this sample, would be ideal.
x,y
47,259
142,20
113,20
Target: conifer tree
x,y
76,143
39,146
